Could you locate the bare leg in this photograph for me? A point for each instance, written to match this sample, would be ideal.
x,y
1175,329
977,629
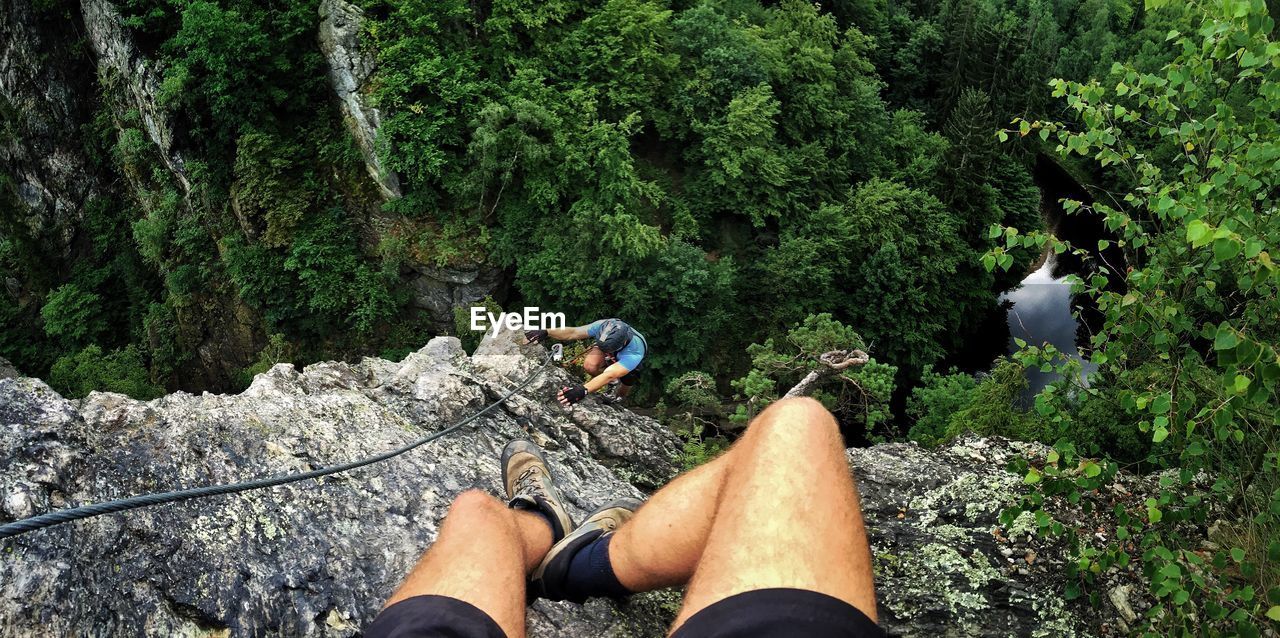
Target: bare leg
x,y
677,518
791,458
788,515
483,556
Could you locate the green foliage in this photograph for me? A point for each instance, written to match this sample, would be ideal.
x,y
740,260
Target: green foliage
x,y
268,184
993,409
696,449
1188,345
73,314
90,369
462,322
163,343
933,403
277,350
861,393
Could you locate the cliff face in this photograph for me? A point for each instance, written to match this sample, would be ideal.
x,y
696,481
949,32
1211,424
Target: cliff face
x,y
72,72
318,558
44,79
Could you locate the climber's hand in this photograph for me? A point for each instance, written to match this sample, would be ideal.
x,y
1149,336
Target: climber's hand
x,y
570,396
534,336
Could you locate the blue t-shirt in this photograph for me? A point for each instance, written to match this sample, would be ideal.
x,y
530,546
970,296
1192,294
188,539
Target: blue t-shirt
x,y
631,355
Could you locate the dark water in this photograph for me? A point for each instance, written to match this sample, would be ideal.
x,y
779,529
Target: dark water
x,y
1042,313
1042,309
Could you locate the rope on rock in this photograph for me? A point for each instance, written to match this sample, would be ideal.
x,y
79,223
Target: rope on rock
x,y
65,516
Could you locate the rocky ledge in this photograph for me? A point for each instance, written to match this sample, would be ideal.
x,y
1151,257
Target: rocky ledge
x,y
318,558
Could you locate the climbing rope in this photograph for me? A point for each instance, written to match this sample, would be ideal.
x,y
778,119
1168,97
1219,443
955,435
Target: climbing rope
x,y
65,516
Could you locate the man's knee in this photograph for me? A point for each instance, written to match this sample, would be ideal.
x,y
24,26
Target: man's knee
x,y
796,424
474,504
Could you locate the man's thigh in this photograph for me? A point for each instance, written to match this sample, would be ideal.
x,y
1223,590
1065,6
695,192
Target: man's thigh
x,y
788,517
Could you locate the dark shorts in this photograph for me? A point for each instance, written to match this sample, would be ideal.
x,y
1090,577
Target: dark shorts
x,y
631,378
763,613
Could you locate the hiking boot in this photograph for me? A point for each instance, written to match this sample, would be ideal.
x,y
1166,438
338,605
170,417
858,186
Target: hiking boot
x,y
529,486
612,398
549,580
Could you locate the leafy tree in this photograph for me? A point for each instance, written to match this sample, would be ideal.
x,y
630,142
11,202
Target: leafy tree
x,y
1188,342
861,393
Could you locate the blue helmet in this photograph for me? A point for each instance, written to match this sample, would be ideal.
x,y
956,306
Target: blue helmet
x,y
614,335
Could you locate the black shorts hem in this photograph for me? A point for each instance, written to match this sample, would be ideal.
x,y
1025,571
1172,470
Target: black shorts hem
x,y
779,613
431,616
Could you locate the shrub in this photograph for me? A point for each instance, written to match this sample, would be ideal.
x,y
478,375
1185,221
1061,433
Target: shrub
x,y
123,371
933,403
73,314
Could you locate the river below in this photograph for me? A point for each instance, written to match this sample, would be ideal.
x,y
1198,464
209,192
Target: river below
x,y
1041,313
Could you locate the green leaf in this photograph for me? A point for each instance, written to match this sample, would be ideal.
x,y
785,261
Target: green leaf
x,y
1225,339
1242,383
1237,554
1225,249
1274,613
1181,597
1159,435
1197,233
1032,477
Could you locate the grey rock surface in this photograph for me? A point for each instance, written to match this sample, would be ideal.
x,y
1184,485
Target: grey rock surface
x,y
41,114
307,559
7,371
136,77
350,67
318,558
439,290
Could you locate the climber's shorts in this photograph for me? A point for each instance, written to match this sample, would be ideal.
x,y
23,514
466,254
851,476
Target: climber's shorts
x,y
779,613
433,617
763,613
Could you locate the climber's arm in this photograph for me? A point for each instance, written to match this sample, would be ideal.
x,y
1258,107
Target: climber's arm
x,y
568,334
615,371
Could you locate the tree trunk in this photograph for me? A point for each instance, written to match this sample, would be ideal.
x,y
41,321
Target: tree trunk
x,y
832,362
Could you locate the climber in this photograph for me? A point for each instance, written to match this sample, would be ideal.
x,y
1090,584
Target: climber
x,y
767,540
618,346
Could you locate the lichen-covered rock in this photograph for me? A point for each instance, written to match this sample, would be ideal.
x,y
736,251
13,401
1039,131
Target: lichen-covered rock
x,y
943,565
318,558
307,559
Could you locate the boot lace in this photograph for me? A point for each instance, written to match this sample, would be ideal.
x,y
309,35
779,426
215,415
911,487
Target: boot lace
x,y
528,483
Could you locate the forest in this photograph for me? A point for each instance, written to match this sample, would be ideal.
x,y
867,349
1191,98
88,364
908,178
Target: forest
x,y
748,183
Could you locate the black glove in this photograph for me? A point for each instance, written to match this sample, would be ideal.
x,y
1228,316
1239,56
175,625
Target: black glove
x,y
534,336
570,396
